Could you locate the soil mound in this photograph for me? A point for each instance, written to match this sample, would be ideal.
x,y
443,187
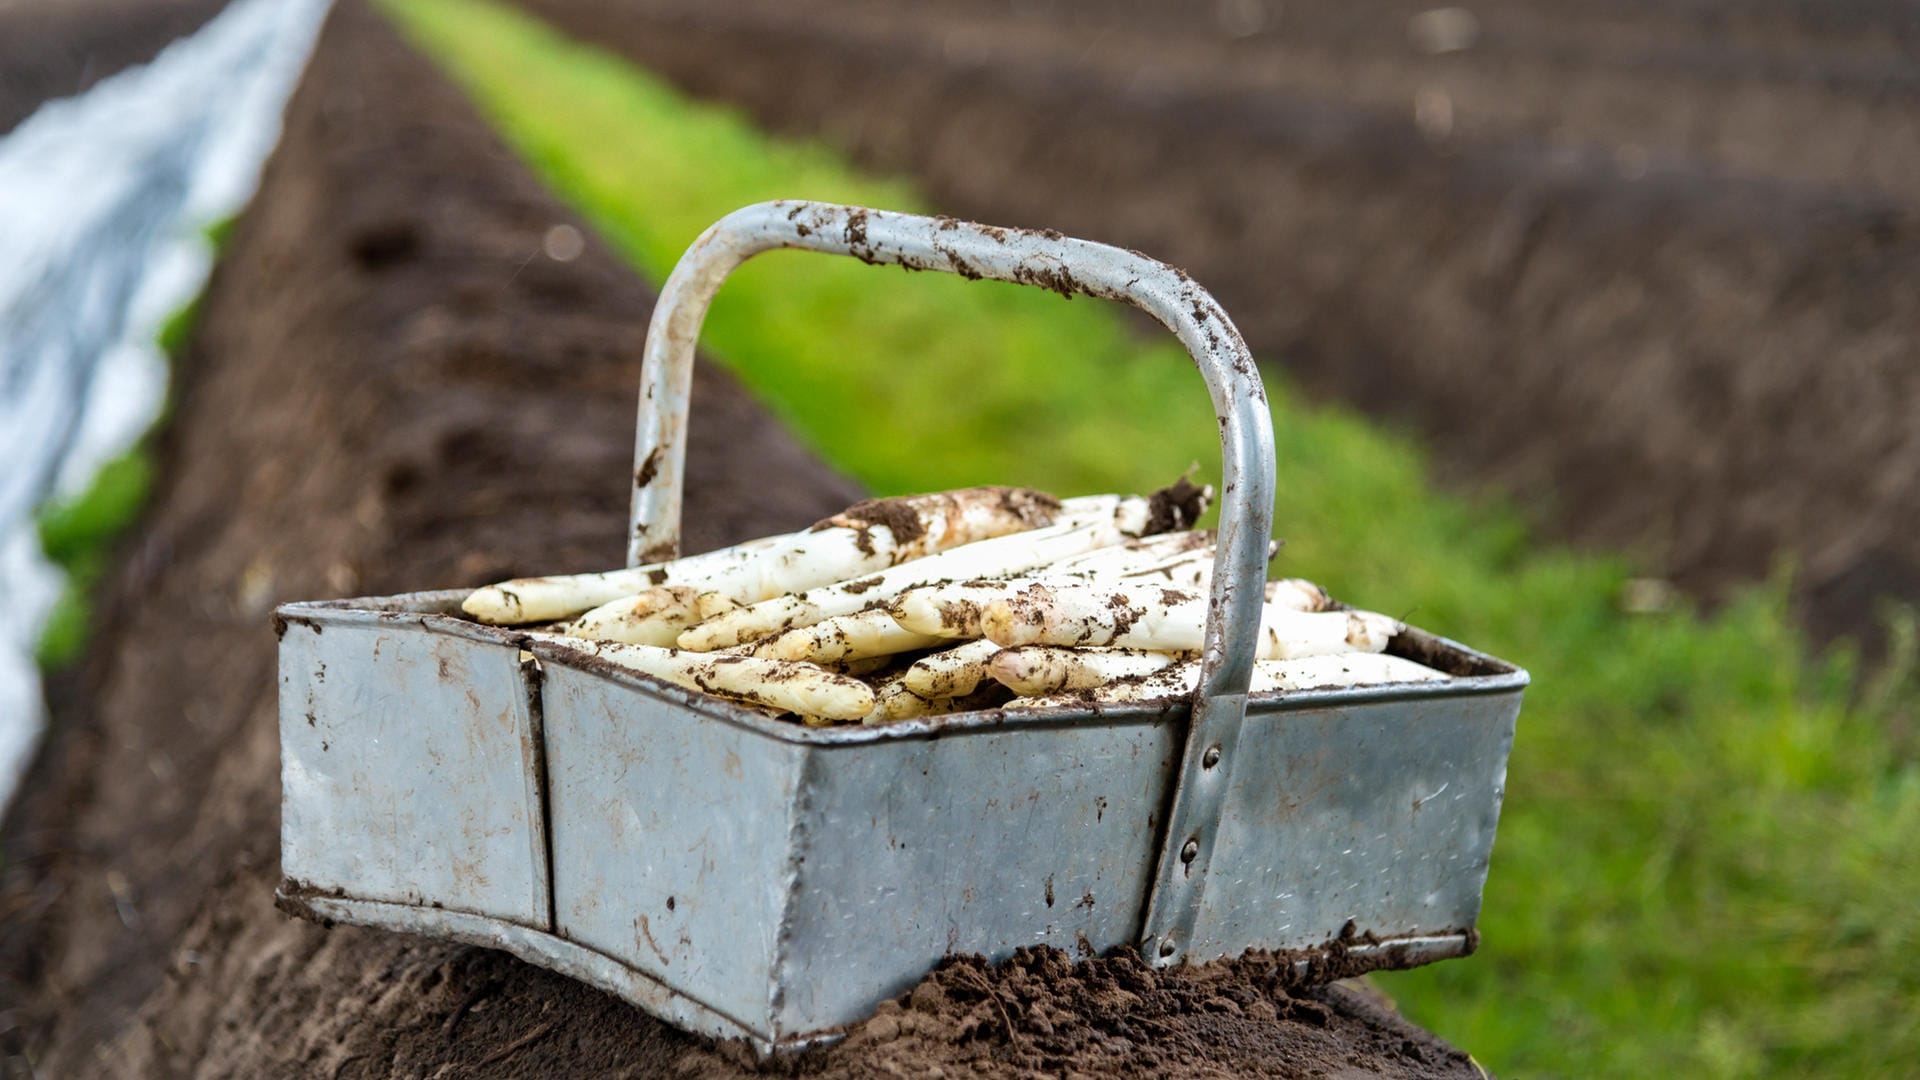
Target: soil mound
x,y
58,48
1042,1015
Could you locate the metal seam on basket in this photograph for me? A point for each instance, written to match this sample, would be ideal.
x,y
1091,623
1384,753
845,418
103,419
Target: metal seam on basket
x,y
793,874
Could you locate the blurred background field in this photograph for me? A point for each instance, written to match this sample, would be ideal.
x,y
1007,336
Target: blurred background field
x,y
1710,835
1590,332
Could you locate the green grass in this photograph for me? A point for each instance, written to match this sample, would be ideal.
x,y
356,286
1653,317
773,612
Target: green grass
x,y
77,533
1708,859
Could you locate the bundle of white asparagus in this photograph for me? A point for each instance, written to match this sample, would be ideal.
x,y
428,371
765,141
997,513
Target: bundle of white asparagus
x,y
925,605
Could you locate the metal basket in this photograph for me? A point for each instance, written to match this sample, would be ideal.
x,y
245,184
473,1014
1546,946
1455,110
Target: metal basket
x,y
743,876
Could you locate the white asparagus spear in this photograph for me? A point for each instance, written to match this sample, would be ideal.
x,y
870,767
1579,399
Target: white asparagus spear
x,y
1048,669
1180,560
893,701
1194,570
1102,613
1185,565
873,535
1146,552
845,637
1286,634
952,609
709,604
659,616
1000,555
778,684
1169,620
863,538
542,599
954,672
1305,673
1298,594
862,665
1187,570
655,617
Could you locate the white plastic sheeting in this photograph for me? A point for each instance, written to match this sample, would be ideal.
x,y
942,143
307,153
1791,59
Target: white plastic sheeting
x,y
104,203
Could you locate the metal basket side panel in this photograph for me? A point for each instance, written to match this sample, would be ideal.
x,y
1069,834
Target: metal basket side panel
x,y
409,766
671,838
979,841
1358,820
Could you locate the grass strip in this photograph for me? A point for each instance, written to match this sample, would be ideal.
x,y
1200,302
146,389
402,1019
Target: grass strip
x,y
77,533
1711,835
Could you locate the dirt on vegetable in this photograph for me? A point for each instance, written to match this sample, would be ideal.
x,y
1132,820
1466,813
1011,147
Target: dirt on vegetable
x,y
1653,268
1176,507
398,383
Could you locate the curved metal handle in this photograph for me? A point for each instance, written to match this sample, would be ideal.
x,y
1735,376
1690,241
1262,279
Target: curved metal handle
x,y
1066,266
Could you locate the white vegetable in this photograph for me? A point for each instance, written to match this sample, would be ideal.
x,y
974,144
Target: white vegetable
x,y
844,637
1103,613
1082,530
1049,669
861,665
856,541
1193,570
778,684
1183,561
543,599
952,609
1306,673
955,672
1298,594
654,617
1169,620
1135,555
709,604
874,535
893,701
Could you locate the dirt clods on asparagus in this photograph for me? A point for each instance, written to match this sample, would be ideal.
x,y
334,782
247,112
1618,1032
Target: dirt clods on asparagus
x,y
1042,1014
903,517
1176,507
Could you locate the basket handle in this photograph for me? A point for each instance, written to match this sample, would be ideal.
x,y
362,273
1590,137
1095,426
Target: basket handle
x,y
1067,266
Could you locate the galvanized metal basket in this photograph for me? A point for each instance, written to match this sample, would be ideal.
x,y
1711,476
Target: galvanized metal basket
x,y
744,876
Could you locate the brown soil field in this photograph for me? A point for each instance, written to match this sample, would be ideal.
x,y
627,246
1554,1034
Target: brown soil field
x,y
1653,269
57,48
392,387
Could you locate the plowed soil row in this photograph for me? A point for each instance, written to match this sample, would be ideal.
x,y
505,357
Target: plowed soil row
x,y
394,386
1653,267
57,48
